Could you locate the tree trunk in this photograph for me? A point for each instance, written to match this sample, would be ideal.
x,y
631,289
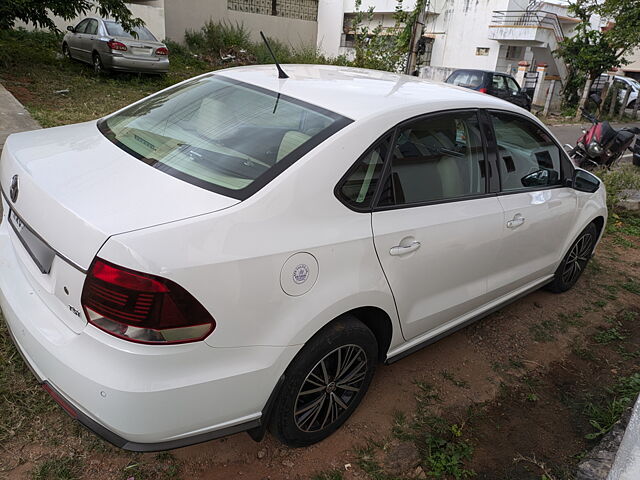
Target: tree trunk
x,y
416,33
583,99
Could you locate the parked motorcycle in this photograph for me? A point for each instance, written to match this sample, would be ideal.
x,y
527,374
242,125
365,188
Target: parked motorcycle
x,y
602,145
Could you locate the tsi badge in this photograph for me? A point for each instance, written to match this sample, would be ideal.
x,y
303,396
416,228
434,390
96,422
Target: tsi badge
x,y
299,274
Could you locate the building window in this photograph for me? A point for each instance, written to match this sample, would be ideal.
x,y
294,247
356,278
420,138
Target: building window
x,y
296,9
482,51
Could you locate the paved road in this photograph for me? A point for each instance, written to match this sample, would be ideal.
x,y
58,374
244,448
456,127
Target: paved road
x,y
570,133
13,116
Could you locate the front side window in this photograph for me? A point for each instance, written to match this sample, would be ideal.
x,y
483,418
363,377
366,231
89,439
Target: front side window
x,y
528,156
81,26
512,85
221,134
498,83
436,158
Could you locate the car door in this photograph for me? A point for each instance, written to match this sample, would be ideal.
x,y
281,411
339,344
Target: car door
x,y
436,228
498,87
87,38
539,209
517,96
75,40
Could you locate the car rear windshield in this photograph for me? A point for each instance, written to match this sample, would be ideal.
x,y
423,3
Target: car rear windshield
x,y
468,79
115,29
220,134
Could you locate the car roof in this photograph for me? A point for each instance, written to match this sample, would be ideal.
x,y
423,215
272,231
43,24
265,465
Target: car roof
x,y
358,93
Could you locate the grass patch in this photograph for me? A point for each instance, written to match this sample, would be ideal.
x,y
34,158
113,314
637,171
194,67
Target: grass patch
x,y
625,177
544,331
21,398
163,467
609,335
442,444
328,475
631,285
32,69
67,468
453,379
603,414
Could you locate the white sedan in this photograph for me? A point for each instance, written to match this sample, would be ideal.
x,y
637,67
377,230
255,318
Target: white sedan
x,y
239,251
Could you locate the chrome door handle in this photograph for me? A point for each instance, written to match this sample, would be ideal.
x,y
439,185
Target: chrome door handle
x,y
516,221
403,250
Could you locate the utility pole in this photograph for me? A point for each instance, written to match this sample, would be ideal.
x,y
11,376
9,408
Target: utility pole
x,y
416,34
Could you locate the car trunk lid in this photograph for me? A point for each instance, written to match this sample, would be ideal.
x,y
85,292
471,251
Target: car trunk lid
x,y
75,189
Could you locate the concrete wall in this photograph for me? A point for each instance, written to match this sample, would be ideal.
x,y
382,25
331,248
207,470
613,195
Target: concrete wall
x,y
193,14
460,28
634,66
151,12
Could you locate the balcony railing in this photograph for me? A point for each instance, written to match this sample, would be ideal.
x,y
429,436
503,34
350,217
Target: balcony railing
x,y
528,19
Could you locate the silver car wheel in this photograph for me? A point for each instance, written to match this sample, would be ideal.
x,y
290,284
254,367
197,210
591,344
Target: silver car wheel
x,y
97,64
330,387
578,258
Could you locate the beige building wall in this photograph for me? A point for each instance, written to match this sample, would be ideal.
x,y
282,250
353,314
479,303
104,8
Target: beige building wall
x,y
634,67
193,14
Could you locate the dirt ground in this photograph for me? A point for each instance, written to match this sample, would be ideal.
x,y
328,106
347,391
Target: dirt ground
x,y
519,367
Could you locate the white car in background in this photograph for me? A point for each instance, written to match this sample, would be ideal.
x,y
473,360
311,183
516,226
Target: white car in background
x,y
239,251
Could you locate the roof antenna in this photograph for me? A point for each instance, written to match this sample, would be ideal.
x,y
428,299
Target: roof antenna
x,y
281,73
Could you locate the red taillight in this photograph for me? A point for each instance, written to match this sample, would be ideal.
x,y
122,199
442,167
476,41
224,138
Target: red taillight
x,y
59,399
482,90
142,308
115,45
162,51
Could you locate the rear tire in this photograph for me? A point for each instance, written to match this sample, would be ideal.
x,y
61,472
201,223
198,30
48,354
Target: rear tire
x,y
575,261
325,383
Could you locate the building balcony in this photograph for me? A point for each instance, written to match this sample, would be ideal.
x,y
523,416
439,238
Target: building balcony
x,y
526,28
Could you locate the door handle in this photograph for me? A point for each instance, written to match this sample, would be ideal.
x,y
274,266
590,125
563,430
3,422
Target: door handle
x,y
516,221
403,250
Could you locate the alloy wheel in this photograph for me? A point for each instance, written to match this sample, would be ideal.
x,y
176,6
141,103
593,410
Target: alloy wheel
x,y
97,64
330,387
577,258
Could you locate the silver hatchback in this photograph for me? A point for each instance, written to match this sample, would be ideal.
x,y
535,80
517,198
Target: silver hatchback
x,y
106,45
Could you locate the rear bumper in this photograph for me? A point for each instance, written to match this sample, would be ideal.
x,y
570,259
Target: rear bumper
x,y
116,62
138,397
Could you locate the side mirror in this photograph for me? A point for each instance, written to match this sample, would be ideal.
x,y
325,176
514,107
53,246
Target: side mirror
x,y
71,29
585,181
595,98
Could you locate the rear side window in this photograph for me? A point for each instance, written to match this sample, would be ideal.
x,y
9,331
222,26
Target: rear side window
x,y
528,156
359,186
467,79
221,134
436,158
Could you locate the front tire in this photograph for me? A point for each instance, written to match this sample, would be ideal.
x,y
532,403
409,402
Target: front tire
x,y
325,383
98,67
575,261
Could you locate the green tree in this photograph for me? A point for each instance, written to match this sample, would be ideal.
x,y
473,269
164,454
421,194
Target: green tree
x,y
38,12
591,52
383,48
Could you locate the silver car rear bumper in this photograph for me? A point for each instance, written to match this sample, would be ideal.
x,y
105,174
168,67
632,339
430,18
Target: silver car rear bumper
x,y
136,65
